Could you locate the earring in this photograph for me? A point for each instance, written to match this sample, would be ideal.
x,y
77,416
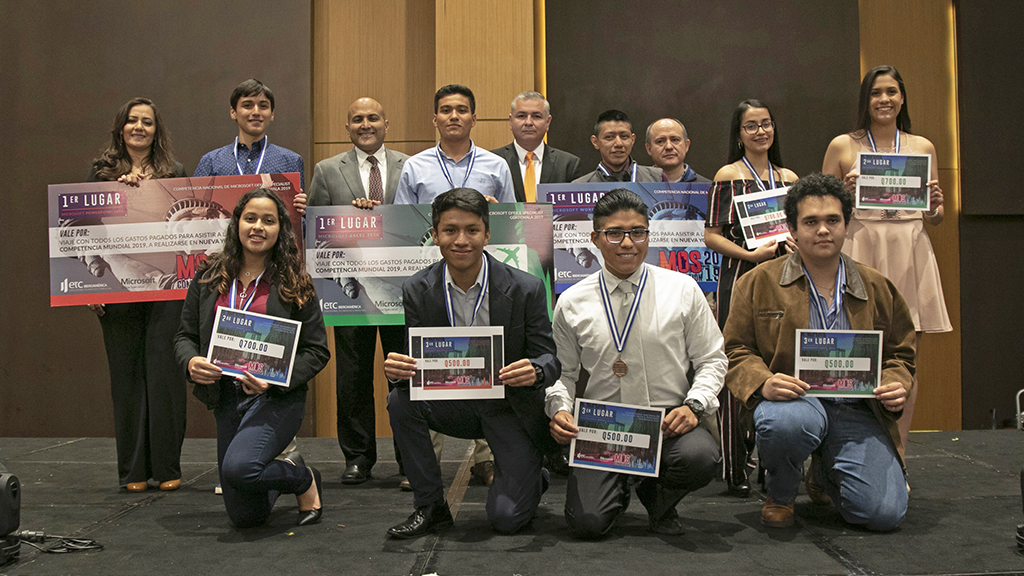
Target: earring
x,y
739,145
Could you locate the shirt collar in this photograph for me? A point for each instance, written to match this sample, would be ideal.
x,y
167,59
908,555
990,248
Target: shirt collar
x,y
362,156
538,154
479,276
793,270
629,166
688,174
612,281
257,145
472,149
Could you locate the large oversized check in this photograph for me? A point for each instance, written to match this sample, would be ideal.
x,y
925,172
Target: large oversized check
x,y
110,242
359,258
676,212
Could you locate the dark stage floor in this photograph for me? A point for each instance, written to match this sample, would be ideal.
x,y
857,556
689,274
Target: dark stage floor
x,y
964,507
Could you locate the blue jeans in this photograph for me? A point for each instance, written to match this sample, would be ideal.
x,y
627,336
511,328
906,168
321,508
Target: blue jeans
x,y
860,469
251,432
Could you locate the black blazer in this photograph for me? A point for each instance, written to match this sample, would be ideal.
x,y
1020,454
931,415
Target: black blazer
x,y
193,338
557,167
518,302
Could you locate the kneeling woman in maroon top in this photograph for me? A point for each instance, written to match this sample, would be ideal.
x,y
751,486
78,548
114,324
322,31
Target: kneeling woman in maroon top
x,y
259,270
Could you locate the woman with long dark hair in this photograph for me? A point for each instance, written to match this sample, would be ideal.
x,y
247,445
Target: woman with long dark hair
x,y
259,270
894,242
145,382
754,165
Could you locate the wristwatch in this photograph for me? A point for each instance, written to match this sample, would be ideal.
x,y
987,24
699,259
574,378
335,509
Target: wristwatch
x,y
538,372
695,406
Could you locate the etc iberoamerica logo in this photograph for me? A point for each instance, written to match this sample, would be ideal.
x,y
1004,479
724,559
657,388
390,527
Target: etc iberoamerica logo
x,y
66,285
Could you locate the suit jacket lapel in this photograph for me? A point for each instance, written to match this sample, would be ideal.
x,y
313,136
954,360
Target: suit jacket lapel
x,y
547,166
512,159
435,313
395,164
498,300
350,174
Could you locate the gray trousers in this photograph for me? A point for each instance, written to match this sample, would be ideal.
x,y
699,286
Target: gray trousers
x,y
594,499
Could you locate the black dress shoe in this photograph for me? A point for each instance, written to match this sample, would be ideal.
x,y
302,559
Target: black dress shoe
x,y
430,518
741,490
668,524
307,517
355,474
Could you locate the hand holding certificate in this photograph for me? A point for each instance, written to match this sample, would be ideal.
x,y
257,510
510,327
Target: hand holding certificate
x,y
763,216
256,348
617,438
454,363
894,181
839,363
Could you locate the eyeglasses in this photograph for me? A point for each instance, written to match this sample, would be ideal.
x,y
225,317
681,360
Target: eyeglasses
x,y
751,128
616,236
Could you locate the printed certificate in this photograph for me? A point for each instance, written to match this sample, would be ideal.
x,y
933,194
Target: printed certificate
x,y
262,345
676,212
457,363
839,363
110,242
358,259
617,438
894,181
763,216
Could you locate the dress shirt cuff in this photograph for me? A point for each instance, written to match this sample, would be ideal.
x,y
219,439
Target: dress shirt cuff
x,y
557,398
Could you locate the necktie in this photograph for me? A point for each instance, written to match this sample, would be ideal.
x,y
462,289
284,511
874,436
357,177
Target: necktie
x,y
530,184
376,184
634,388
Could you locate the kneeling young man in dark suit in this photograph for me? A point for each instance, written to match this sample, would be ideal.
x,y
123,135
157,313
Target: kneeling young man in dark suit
x,y
515,427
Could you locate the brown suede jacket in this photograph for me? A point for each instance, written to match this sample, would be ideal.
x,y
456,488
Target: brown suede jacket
x,y
771,302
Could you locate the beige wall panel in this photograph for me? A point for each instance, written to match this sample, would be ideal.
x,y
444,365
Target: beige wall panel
x,y
917,37
378,48
939,400
491,134
488,46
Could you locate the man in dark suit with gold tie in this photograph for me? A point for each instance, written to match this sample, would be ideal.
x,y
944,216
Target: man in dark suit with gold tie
x,y
365,175
529,158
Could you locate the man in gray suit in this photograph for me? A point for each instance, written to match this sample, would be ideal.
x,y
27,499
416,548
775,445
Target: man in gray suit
x,y
528,156
364,176
614,138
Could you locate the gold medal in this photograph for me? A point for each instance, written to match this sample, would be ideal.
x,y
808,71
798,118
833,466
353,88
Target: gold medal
x,y
619,368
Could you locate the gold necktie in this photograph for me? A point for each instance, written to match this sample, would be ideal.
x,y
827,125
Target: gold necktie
x,y
530,183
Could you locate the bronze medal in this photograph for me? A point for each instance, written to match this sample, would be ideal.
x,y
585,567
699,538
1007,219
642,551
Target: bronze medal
x,y
619,368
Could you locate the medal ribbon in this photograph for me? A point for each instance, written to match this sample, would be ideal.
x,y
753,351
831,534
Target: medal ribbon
x,y
479,297
266,144
816,297
603,170
896,145
233,293
621,337
444,167
760,183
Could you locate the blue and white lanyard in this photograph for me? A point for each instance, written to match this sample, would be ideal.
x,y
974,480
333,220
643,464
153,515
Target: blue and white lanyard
x,y
266,144
444,167
479,297
618,337
816,297
896,145
760,183
603,170
233,293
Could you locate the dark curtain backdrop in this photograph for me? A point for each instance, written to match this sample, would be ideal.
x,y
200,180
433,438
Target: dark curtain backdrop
x,y
992,224
695,61
66,67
